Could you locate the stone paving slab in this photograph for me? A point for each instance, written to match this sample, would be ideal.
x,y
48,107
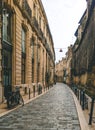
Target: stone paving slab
x,y
55,110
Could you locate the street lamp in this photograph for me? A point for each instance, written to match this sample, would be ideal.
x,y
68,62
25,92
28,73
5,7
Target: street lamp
x,y
60,49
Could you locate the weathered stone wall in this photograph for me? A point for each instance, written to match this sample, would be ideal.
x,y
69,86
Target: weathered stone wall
x,y
84,56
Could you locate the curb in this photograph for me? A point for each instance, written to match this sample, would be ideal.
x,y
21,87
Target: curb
x,y
82,120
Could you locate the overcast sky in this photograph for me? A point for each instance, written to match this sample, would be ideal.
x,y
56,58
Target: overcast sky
x,y
63,17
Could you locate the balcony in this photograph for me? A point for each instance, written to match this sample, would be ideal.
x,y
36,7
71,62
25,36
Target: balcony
x,y
26,7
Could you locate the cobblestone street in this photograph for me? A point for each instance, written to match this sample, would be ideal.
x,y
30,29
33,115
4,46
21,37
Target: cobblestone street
x,y
54,110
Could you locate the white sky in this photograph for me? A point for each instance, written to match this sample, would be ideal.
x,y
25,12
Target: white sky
x,y
63,17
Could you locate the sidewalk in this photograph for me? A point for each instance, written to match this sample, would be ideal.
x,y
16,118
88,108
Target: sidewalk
x,y
3,106
82,119
86,114
83,114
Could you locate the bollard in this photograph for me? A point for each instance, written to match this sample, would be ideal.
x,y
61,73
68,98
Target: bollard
x,y
83,94
78,94
29,93
44,88
91,112
33,90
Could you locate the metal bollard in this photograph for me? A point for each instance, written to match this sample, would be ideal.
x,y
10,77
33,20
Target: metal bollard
x,y
78,94
33,90
80,97
83,94
29,93
91,112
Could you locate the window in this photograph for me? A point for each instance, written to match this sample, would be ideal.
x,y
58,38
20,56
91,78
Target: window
x,y
23,41
7,71
40,22
32,72
32,43
7,50
7,66
23,70
23,63
6,26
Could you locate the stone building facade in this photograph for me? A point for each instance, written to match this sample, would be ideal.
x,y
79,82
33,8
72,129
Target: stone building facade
x,y
63,67
83,62
26,45
68,75
59,70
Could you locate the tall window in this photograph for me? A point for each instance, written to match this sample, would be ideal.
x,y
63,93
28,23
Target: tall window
x,y
23,56
40,22
7,50
23,40
6,26
32,71
32,59
7,71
